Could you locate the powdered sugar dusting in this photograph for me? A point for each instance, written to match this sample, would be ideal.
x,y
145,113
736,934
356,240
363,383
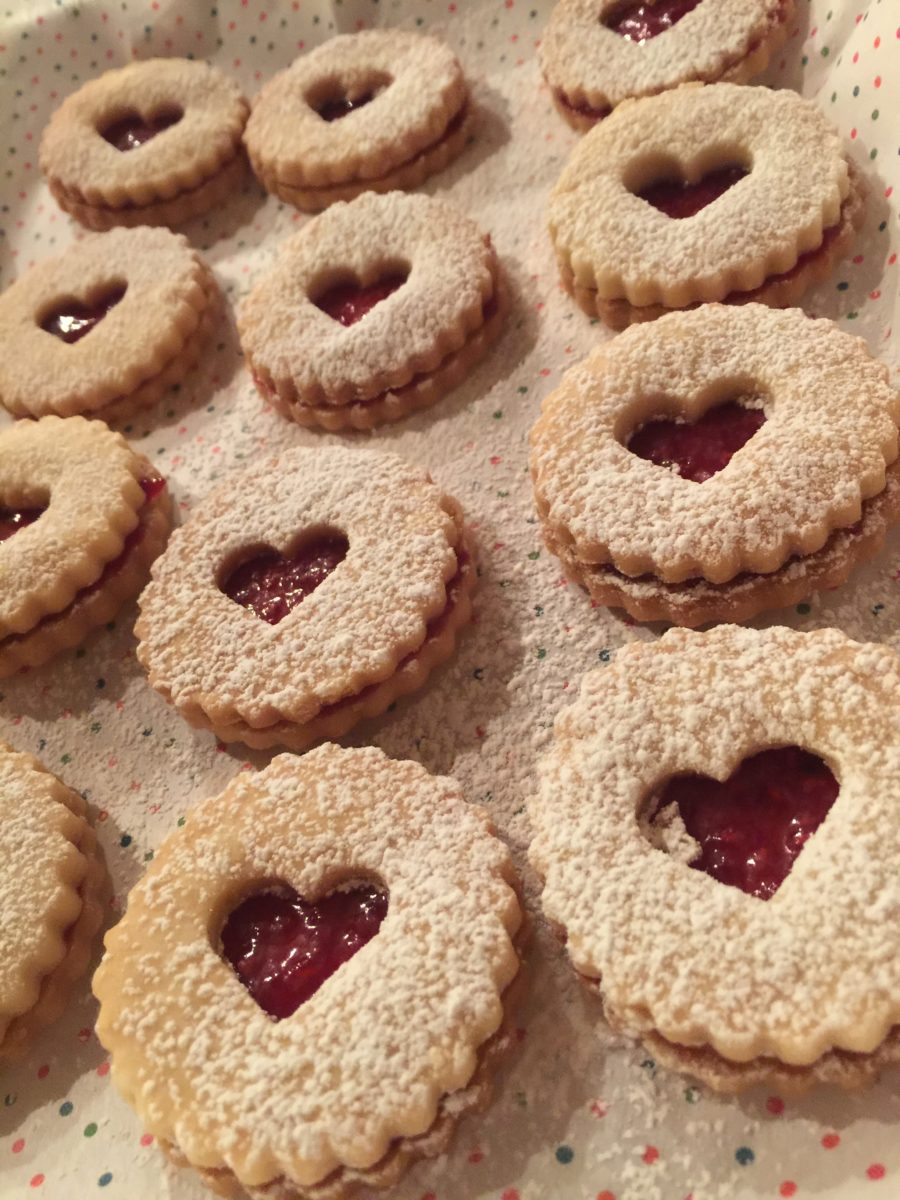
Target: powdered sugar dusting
x,y
831,427
367,1058
743,977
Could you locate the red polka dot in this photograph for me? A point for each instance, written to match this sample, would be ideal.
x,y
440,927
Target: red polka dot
x,y
853,133
877,42
878,81
510,1194
18,1146
43,1071
103,1069
146,1139
37,1180
775,1105
876,1171
605,1196
788,1188
650,1155
475,1157
830,1140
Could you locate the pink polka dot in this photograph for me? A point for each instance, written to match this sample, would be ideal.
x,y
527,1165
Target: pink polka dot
x,y
103,1069
37,1180
878,81
876,1171
18,1146
877,42
146,1139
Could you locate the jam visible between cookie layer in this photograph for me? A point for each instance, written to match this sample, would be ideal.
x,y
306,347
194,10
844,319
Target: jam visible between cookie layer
x,y
752,827
271,585
349,302
283,948
132,131
678,199
702,449
638,21
73,321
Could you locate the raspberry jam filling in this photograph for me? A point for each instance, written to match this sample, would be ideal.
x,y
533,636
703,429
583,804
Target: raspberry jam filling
x,y
272,585
14,519
283,948
702,449
132,131
349,302
678,199
752,827
638,21
341,106
72,321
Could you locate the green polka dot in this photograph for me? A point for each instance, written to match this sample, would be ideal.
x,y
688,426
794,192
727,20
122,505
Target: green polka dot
x,y
65,1108
90,1130
874,114
564,1154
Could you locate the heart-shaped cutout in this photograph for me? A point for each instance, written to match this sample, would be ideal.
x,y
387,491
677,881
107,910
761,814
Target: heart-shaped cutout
x,y
131,131
283,948
14,519
679,198
701,449
348,302
271,584
639,21
751,827
70,320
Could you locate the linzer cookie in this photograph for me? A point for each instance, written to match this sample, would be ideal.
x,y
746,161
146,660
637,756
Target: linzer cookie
x,y
373,310
106,328
718,463
371,111
340,934
717,830
595,55
52,897
725,193
153,143
305,595
82,516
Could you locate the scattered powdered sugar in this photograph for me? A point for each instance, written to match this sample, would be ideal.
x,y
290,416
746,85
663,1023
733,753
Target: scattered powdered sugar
x,y
831,426
399,1025
616,242
676,951
592,64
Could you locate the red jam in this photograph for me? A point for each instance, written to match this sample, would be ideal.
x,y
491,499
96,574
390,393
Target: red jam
x,y
752,827
333,110
271,585
132,131
679,200
349,303
14,519
283,948
72,321
701,450
638,21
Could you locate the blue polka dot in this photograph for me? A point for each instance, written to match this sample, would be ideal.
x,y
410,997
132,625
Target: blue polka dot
x,y
65,1108
564,1154
105,1178
744,1155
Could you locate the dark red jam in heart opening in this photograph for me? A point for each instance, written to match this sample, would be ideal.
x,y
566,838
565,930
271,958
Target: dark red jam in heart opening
x,y
341,106
701,450
678,199
752,827
349,303
638,21
132,131
283,948
71,321
14,519
271,585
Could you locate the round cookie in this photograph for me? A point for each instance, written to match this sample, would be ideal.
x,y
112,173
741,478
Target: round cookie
x,y
153,143
715,193
374,310
105,328
415,946
371,111
305,595
594,56
713,806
